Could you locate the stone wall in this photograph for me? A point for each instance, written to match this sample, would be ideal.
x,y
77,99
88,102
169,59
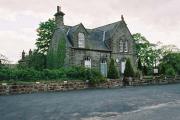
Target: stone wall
x,y
6,89
78,55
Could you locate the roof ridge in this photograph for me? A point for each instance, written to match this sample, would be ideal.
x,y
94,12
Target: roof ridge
x,y
107,25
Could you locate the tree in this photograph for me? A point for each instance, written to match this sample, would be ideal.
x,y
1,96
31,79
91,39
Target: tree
x,y
168,49
139,65
45,33
147,53
35,60
170,71
170,61
112,72
128,72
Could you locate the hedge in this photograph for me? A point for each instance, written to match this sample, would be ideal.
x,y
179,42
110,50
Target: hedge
x,y
70,73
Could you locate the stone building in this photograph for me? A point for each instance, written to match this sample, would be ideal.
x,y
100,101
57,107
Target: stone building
x,y
91,48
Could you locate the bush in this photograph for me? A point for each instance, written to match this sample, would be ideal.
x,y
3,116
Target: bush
x,y
112,72
170,72
71,73
128,72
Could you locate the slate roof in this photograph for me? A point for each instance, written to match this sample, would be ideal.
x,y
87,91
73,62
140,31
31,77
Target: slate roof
x,y
98,38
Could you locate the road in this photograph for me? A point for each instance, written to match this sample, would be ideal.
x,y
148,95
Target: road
x,y
134,103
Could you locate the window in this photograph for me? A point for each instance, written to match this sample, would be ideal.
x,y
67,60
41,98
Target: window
x,y
81,40
121,46
126,46
123,65
87,62
103,68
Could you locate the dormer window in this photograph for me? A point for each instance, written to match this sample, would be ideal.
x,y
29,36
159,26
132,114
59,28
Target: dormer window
x,y
81,40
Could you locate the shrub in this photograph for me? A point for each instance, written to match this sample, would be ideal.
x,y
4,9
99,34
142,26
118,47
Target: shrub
x,y
112,72
128,72
170,72
70,73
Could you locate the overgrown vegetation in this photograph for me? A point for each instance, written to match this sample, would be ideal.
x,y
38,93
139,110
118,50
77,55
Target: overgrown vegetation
x,y
56,54
71,73
35,61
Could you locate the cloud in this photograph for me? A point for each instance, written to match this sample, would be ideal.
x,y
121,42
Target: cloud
x,y
156,20
14,42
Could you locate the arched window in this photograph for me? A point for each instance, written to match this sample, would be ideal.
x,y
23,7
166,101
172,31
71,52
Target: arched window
x,y
81,40
87,62
121,46
126,46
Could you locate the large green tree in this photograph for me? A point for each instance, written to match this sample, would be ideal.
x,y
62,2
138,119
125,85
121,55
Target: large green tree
x,y
147,53
45,34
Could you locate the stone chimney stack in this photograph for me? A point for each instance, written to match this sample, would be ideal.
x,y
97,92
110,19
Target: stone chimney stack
x,y
30,52
23,55
59,17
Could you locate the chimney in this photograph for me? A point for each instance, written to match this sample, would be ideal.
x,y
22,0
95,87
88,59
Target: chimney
x,y
30,52
59,17
23,55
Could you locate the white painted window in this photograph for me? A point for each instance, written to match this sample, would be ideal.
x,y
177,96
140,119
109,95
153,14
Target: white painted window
x,y
121,46
123,65
81,40
87,62
103,68
126,46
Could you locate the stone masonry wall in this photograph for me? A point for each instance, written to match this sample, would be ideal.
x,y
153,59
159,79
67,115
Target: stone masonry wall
x,y
6,89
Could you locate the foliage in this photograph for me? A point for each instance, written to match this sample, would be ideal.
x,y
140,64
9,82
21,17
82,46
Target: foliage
x,y
138,74
45,33
35,61
171,60
56,58
128,72
140,67
112,71
71,73
146,52
167,49
170,72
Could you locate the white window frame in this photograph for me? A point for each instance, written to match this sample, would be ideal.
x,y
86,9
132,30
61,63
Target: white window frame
x,y
121,46
103,63
123,66
126,46
87,62
81,40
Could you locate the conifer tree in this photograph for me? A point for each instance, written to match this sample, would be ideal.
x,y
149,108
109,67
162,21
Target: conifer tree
x,y
112,72
129,72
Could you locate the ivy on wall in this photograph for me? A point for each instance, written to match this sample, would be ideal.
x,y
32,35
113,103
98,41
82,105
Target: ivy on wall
x,y
61,52
56,56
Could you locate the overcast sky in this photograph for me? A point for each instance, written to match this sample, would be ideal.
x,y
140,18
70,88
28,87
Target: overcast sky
x,y
157,20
